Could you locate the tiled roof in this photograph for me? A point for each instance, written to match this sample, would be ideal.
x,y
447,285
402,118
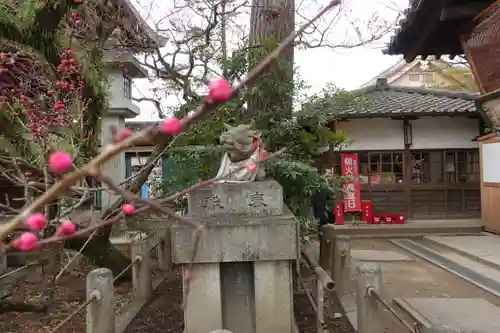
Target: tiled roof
x,y
383,100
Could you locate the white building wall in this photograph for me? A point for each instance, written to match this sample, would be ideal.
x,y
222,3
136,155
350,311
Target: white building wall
x,y
428,133
444,132
373,134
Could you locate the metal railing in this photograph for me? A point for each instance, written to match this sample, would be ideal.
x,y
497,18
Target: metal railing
x,y
323,281
336,259
372,292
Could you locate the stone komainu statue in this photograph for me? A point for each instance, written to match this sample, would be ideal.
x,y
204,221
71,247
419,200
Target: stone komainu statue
x,y
243,147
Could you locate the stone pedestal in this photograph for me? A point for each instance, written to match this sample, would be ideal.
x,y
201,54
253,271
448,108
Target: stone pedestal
x,y
242,269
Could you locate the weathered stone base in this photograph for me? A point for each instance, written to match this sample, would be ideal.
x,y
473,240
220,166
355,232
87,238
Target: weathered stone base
x,y
237,238
240,297
242,268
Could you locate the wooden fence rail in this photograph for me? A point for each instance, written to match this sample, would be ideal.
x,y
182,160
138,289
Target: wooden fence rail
x,y
100,283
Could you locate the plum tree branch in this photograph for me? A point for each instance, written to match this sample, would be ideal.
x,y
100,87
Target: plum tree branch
x,y
146,136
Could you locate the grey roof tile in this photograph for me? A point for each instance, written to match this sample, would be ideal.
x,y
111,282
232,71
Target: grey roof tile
x,y
383,100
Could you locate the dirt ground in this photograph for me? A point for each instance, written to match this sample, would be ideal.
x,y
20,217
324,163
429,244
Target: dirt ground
x,y
68,294
164,314
306,316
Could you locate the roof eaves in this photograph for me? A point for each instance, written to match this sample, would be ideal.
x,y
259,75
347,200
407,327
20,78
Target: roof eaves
x,y
356,115
403,25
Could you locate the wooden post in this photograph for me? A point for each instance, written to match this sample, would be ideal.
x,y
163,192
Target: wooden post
x,y
3,261
369,275
164,249
342,264
100,312
142,279
320,306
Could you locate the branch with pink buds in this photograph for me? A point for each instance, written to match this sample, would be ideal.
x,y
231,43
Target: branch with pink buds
x,y
60,163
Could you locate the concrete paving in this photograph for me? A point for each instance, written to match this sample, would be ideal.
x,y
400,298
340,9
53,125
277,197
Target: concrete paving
x,y
377,255
464,267
415,279
410,229
484,248
466,314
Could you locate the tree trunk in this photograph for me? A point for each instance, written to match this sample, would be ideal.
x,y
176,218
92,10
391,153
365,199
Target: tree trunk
x,y
270,22
102,253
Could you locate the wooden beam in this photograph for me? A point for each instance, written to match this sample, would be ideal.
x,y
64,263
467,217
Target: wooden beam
x,y
431,15
464,11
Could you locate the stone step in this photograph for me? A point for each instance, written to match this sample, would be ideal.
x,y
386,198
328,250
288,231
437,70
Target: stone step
x,y
453,313
411,229
483,248
477,273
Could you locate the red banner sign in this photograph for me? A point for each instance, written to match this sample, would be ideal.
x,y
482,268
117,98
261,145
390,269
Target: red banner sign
x,y
352,196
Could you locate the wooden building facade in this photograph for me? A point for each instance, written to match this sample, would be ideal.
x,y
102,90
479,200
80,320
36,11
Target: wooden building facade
x,y
470,28
416,149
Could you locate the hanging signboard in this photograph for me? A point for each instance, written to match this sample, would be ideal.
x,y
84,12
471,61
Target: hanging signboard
x,y
351,188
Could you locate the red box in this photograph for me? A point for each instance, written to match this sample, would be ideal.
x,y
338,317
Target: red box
x,y
376,219
339,213
367,211
398,218
388,219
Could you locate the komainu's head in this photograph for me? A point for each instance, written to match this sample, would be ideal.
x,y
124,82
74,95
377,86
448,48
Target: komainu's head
x,y
238,141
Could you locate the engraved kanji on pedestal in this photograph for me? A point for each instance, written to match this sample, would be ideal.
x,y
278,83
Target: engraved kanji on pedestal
x,y
212,204
257,200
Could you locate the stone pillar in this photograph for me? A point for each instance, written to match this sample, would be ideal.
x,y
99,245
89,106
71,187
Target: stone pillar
x,y
115,168
243,267
341,272
369,275
203,311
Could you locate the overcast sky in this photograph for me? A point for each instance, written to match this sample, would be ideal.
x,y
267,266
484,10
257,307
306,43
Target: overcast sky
x,y
346,68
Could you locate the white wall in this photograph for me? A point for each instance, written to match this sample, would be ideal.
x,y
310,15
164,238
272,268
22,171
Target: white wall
x,y
428,133
373,134
444,132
